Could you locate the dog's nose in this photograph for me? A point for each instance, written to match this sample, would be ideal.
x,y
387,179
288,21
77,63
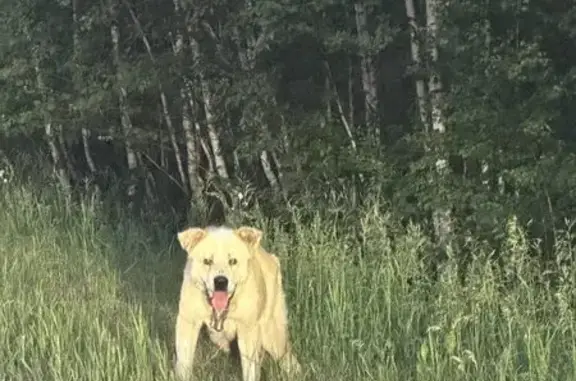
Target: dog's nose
x,y
220,283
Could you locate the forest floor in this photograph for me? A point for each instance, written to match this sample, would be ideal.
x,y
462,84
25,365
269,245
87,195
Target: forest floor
x,y
84,299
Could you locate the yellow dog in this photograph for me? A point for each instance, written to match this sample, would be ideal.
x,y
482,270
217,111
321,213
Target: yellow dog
x,y
234,287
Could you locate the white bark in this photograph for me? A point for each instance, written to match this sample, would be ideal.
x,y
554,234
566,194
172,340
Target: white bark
x,y
368,68
430,103
173,139
207,99
434,82
87,151
328,95
269,172
442,216
194,179
341,112
416,51
163,101
60,169
76,78
351,108
65,153
57,158
191,136
125,121
247,57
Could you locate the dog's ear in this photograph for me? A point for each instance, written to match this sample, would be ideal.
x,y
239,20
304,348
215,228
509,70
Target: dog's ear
x,y
190,238
251,236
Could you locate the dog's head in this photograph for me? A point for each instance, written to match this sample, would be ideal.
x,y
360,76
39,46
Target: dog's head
x,y
218,260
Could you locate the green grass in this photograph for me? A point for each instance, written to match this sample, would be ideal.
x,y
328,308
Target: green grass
x,y
84,299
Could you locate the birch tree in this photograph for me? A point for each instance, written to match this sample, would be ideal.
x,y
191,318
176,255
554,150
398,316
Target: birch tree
x,y
77,84
442,215
122,93
50,130
163,99
430,103
416,54
249,46
368,68
208,101
187,105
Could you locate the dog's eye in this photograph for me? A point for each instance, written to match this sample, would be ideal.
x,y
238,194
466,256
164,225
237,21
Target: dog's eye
x,y
208,261
232,261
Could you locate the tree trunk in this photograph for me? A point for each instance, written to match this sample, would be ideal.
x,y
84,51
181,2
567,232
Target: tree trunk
x,y
434,82
65,154
195,182
173,139
269,172
442,216
341,111
247,57
328,101
163,101
87,151
368,68
416,51
57,158
77,79
60,169
351,108
207,99
125,121
486,168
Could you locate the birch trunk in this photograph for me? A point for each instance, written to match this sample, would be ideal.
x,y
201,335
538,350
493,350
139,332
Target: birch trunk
x,y
173,140
195,182
442,216
60,169
125,121
416,52
434,82
247,57
57,158
163,101
351,108
87,151
368,68
77,78
345,123
486,168
328,100
65,154
207,99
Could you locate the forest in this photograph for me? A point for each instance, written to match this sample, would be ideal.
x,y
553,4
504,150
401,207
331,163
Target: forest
x,y
413,165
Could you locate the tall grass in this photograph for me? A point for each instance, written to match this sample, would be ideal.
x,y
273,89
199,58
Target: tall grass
x,y
82,298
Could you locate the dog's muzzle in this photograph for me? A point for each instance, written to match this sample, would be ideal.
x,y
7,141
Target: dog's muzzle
x,y
219,301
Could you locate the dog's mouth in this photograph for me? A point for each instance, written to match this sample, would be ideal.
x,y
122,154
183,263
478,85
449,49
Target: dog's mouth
x,y
219,301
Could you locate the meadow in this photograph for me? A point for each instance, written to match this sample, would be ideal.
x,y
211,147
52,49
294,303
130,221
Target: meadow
x,y
85,298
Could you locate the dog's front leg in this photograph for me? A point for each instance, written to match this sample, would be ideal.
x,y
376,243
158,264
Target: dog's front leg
x,y
249,345
186,341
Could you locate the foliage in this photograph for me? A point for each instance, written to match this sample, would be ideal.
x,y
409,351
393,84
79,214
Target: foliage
x,y
276,96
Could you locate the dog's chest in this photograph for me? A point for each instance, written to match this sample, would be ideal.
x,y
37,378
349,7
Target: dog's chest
x,y
224,336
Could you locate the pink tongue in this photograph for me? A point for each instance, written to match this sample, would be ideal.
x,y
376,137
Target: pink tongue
x,y
220,300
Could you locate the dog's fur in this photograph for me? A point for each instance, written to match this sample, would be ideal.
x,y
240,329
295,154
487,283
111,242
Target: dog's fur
x,y
256,313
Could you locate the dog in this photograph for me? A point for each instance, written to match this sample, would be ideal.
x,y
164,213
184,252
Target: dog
x,y
232,286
